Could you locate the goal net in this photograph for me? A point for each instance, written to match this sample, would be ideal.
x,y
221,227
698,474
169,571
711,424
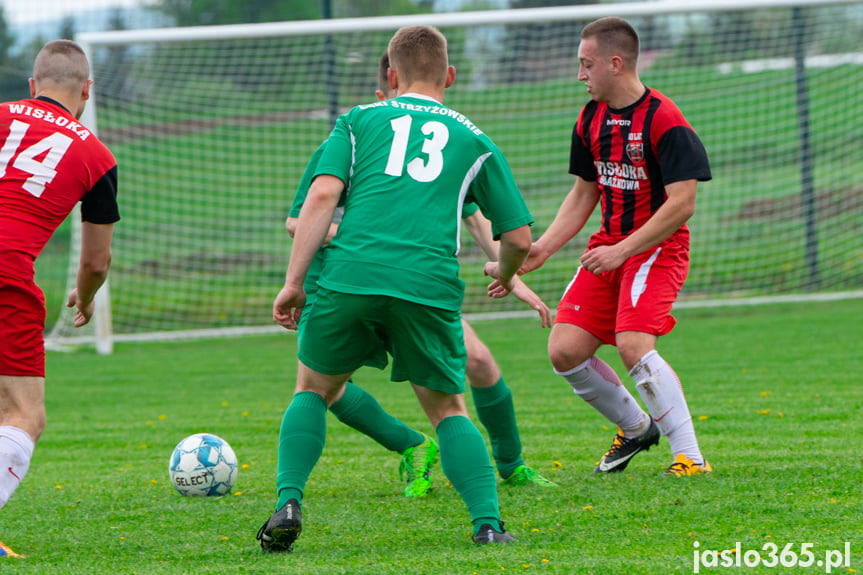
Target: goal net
x,y
212,128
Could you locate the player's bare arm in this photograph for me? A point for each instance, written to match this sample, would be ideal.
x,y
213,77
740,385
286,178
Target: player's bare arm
x,y
312,227
480,228
570,219
514,248
291,226
93,269
677,209
527,295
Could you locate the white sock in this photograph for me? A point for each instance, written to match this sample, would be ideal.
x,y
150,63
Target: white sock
x,y
16,450
661,392
597,384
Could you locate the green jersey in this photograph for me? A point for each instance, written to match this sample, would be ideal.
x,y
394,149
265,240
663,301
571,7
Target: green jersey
x,y
409,165
310,284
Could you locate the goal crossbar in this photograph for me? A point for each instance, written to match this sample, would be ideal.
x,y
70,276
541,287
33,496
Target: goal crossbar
x,y
449,19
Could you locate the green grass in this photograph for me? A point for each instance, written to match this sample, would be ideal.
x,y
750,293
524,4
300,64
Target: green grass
x,y
775,391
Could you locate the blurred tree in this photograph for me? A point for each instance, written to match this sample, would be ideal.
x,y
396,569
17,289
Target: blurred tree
x,y
367,8
67,28
542,3
213,12
6,39
13,71
114,77
540,50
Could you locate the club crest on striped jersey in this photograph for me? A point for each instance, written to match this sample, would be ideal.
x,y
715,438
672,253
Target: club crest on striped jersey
x,y
635,151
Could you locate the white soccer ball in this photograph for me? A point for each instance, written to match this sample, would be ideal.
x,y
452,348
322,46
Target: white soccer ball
x,y
203,464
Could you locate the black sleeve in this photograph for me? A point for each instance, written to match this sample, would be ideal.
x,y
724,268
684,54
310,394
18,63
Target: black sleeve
x,y
99,205
580,157
682,156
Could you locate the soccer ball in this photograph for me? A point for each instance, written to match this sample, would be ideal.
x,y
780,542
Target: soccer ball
x,y
203,464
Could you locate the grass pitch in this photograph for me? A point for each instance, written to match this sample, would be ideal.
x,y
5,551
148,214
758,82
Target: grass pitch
x,y
775,392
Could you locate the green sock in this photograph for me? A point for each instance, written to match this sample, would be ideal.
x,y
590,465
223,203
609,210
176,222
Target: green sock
x,y
464,459
301,442
359,409
496,412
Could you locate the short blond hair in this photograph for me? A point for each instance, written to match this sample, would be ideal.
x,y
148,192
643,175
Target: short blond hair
x,y
614,36
418,54
61,64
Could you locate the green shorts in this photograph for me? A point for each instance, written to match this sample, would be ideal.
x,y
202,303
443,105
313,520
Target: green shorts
x,y
343,332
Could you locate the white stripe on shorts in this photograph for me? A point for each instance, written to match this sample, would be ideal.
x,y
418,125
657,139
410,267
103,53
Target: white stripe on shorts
x,y
639,284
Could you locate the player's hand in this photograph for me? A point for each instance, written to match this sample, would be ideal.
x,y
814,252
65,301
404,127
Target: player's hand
x,y
535,259
84,311
602,259
491,269
525,294
289,306
497,288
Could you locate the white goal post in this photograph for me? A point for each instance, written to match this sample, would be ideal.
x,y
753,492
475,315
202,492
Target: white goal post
x,y
212,127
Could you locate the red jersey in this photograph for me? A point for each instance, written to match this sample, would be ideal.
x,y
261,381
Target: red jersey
x,y
48,162
632,154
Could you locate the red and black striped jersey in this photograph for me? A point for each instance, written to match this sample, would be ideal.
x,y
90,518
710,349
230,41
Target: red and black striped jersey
x,y
48,162
632,154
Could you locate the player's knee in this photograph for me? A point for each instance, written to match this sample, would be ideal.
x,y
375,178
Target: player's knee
x,y
564,357
631,351
481,366
38,426
31,419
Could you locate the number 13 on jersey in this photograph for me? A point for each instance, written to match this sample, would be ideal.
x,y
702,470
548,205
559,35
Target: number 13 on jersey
x,y
433,145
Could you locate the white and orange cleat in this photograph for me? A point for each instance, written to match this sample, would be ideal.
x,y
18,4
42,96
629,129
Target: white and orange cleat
x,y
683,466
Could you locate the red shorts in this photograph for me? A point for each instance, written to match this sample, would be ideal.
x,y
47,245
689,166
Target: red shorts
x,y
636,296
22,326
